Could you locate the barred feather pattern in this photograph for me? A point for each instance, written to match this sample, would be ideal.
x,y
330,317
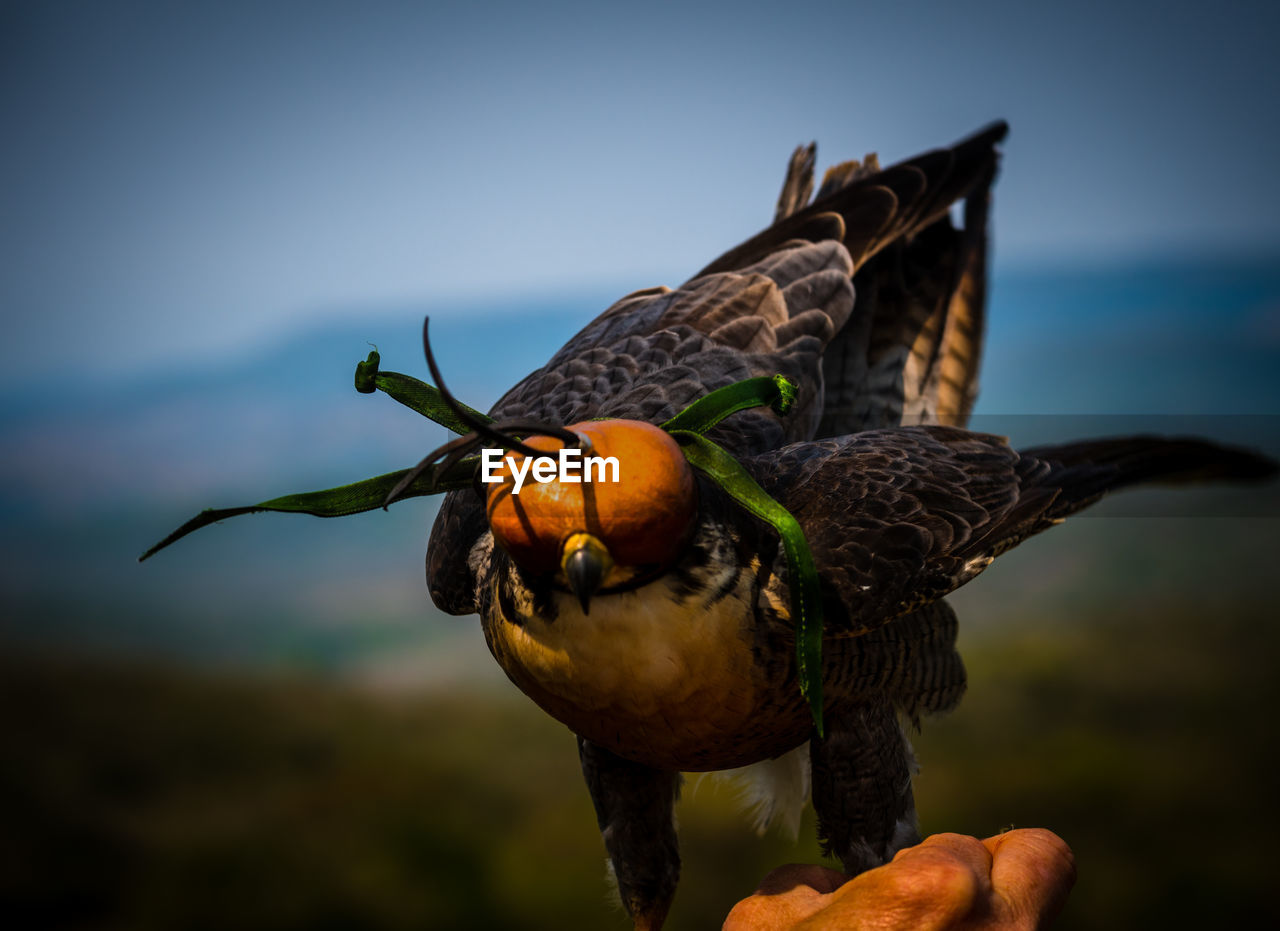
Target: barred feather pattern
x,y
870,299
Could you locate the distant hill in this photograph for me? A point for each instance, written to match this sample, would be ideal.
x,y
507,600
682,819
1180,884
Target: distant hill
x,y
94,472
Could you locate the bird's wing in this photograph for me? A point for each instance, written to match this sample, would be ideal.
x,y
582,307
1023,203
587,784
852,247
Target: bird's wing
x,y
774,305
655,352
924,301
913,350
897,518
781,303
910,353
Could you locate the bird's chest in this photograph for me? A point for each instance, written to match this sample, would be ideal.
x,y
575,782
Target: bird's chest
x,y
672,677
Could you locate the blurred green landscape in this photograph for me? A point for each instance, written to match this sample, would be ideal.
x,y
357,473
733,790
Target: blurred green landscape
x,y
1133,716
268,725
139,797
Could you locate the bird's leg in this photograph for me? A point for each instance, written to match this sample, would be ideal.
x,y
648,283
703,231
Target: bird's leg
x,y
635,807
862,786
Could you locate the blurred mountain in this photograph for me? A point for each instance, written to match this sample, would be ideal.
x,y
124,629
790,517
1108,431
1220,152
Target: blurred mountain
x,y
95,471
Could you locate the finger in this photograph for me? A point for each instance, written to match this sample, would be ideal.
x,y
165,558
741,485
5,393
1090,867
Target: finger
x,y
786,897
945,851
785,878
1032,872
935,884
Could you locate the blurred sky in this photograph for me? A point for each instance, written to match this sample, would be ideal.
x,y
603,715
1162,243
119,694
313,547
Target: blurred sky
x,y
179,180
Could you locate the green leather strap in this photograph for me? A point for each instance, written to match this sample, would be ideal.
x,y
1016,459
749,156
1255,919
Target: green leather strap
x,y
332,502
413,394
802,577
686,427
703,414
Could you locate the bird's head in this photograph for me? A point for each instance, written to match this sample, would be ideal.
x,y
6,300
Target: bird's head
x,y
604,516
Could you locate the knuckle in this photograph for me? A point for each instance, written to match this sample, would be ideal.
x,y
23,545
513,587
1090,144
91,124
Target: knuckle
x,y
750,914
937,878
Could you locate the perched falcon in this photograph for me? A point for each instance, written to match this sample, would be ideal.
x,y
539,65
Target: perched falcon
x,y
660,629
760,581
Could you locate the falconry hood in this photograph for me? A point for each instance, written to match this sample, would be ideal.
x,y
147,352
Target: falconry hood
x,y
615,515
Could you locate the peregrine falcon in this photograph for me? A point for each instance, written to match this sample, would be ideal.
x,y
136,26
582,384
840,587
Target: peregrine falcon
x,y
662,619
681,656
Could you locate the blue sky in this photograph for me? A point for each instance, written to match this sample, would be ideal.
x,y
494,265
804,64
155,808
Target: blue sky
x,y
180,180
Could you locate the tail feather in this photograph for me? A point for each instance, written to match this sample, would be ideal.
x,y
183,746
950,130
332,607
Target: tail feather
x,y
774,791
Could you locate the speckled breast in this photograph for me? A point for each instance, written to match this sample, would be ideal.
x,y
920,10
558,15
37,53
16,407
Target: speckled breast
x,y
663,679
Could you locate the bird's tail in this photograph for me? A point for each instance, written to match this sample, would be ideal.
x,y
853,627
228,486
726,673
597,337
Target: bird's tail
x,y
774,792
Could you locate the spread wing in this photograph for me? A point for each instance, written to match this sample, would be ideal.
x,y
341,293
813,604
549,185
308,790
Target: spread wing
x,y
782,302
898,518
911,352
655,352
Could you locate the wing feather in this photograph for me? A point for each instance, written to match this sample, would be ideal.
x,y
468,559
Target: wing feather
x,y
898,518
780,303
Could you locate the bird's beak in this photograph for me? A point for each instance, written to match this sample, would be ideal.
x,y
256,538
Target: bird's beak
x,y
586,562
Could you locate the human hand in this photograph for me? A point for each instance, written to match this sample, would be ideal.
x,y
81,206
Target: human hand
x,y
1017,880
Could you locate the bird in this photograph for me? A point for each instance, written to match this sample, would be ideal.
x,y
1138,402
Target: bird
x,y
759,488
658,619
